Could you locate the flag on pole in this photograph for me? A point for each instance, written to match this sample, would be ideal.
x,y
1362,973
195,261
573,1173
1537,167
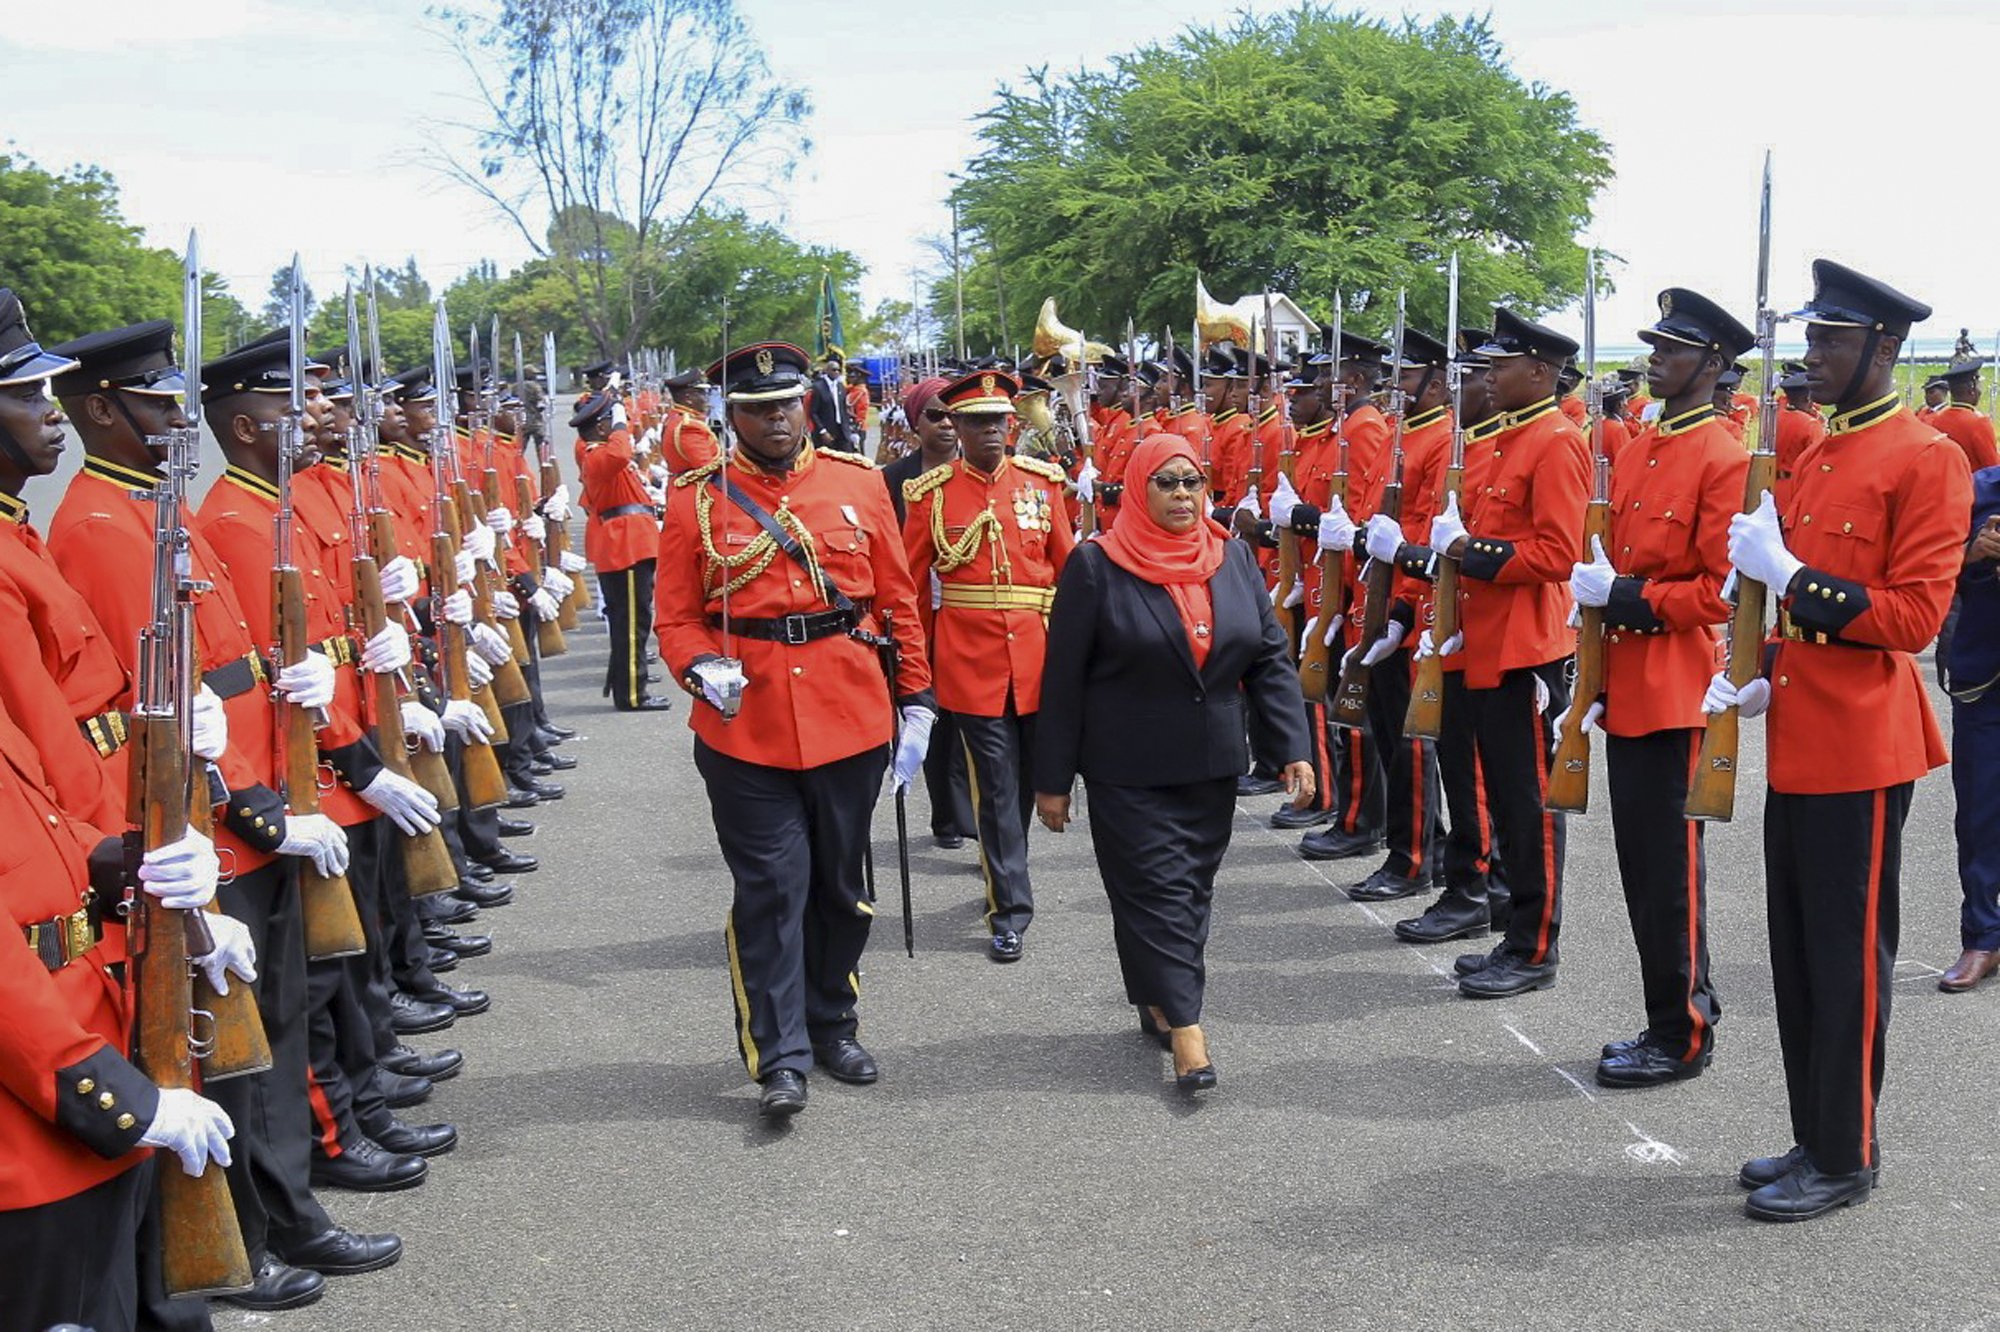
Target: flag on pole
x,y
829,339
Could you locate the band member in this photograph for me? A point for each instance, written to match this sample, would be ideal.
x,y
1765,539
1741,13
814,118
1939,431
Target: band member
x,y
1863,560
790,557
1524,495
1659,583
1960,419
621,542
686,442
993,530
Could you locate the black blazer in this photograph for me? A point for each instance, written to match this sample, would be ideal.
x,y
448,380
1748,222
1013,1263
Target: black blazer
x,y
1121,700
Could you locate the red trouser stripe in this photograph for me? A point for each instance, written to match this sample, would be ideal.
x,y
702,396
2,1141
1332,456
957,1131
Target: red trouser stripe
x,y
1356,780
1869,975
322,1113
1548,836
1416,808
1485,818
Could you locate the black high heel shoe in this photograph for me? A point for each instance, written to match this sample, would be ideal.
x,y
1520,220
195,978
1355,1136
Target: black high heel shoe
x,y
1196,1079
1148,1027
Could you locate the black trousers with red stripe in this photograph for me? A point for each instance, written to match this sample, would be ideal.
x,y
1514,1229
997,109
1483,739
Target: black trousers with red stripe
x,y
1348,771
1514,740
1665,875
1410,794
628,609
1832,880
1471,864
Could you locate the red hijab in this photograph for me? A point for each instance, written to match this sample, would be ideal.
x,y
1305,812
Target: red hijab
x,y
1181,562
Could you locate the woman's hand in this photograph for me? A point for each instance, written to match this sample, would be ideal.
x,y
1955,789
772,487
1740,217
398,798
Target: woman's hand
x,y
1298,779
1053,810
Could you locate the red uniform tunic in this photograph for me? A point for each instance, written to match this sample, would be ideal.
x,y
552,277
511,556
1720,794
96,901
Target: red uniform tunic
x,y
807,704
992,626
102,540
1968,428
1799,428
1673,492
623,526
857,406
1426,454
1574,408
59,675
686,442
1525,491
1879,513
1370,440
1229,454
63,1042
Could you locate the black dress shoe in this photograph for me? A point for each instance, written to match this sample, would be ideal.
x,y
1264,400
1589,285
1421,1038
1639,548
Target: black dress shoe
x,y
784,1095
364,1167
1648,1064
1805,1192
1196,1079
412,1017
1613,1048
652,676
553,763
463,1003
1452,916
1290,818
518,799
1333,844
453,908
516,828
1386,886
1508,974
1467,963
949,841
467,945
278,1285
440,960
438,1066
416,1139
486,894
651,703
1006,947
509,863
845,1061
1250,784
340,1252
401,1089
558,734
543,791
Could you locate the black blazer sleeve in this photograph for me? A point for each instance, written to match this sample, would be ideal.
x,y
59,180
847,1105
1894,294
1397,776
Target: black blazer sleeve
x,y
1278,730
1073,621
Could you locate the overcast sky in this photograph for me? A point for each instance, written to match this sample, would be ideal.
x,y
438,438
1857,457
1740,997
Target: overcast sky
x,y
213,112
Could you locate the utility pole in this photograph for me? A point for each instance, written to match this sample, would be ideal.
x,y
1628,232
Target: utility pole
x,y
958,280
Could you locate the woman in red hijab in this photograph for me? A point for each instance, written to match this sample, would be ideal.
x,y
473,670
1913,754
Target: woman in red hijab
x,y
1163,656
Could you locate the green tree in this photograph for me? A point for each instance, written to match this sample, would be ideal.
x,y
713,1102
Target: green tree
x,y
1307,151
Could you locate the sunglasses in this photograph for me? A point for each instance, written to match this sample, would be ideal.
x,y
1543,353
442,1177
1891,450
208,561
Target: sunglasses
x,y
1188,481
936,414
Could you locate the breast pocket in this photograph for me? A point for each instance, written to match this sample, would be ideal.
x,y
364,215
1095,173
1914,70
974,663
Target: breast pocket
x,y
1654,533
1845,538
846,552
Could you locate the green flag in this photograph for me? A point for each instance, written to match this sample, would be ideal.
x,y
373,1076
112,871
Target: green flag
x,y
829,339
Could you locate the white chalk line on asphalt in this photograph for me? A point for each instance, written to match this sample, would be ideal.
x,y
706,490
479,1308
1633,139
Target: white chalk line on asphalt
x,y
1648,1150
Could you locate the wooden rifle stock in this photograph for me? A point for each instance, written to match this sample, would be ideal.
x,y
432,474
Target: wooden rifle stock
x,y
579,595
1350,700
549,634
509,685
485,784
490,500
1712,794
427,863
201,1246
326,902
237,1041
1425,718
1316,676
429,768
1569,776
1289,571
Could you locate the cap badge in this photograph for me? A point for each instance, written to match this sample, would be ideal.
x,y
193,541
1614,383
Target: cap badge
x,y
765,361
988,384
1666,303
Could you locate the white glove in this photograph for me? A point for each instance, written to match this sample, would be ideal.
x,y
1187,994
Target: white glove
x,y
211,724
1749,701
409,806
1250,504
233,953
649,441
1335,630
467,720
719,679
317,838
612,381
1297,596
458,608
182,874
399,579
479,543
500,519
618,410
1086,482
533,528
308,683
491,644
557,584
1283,500
464,568
478,672
1391,639
555,505
1757,547
573,563
544,604
505,605
191,1127
1336,529
1591,583
1447,529
421,722
388,651
1592,716
1428,647
1542,697
658,472
912,745
1384,539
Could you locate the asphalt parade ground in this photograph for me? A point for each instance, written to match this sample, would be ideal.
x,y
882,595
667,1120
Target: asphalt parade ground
x,y
1380,1153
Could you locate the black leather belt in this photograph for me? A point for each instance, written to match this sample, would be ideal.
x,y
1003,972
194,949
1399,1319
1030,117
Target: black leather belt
x,y
237,677
62,940
626,511
792,629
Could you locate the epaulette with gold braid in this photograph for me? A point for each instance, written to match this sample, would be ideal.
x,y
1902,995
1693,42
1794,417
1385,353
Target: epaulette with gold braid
x,y
851,459
924,483
696,475
1048,471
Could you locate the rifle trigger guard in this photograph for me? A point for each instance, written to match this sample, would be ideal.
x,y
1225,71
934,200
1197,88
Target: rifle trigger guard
x,y
225,865
201,1046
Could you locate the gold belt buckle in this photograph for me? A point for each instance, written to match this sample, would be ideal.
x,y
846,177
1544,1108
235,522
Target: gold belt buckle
x,y
77,936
